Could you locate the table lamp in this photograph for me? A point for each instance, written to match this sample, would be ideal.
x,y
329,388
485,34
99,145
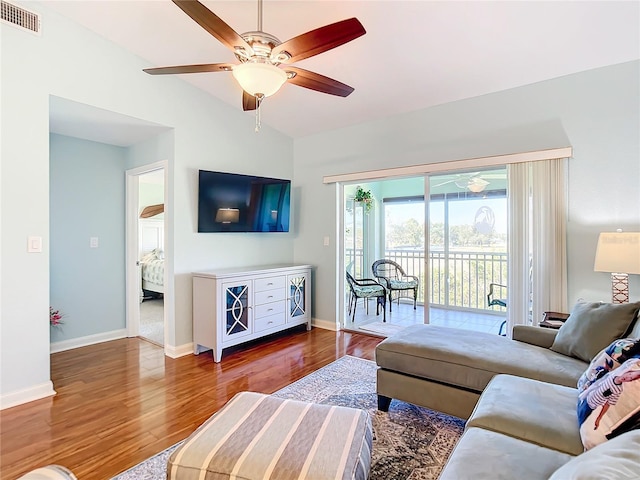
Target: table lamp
x,y
619,254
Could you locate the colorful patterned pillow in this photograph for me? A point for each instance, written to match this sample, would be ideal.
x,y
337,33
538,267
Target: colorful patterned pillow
x,y
609,358
610,405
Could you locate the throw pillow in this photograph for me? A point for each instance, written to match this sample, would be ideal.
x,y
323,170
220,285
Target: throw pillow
x,y
611,405
618,459
593,326
611,357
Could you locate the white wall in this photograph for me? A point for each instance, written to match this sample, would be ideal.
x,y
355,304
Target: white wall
x,y
70,62
595,112
151,194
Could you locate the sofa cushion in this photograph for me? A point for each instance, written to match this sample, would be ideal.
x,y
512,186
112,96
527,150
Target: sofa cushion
x,y
611,405
609,358
471,359
483,454
635,327
617,459
593,326
537,412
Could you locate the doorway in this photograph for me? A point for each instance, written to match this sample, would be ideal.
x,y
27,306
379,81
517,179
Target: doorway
x,y
383,220
453,245
146,253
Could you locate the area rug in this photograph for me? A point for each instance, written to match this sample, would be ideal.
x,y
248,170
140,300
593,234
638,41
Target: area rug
x,y
382,328
410,442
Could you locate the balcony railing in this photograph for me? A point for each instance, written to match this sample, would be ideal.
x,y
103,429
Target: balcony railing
x,y
459,279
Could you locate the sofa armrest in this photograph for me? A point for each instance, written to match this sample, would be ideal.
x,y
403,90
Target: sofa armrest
x,y
542,337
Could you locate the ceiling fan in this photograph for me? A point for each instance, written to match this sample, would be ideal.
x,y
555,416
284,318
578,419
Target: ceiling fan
x,y
468,181
264,60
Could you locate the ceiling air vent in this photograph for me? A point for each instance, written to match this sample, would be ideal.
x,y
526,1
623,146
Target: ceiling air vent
x,y
19,17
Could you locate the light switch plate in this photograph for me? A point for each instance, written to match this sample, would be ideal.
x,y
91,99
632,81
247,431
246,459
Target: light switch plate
x,y
326,241
34,244
93,242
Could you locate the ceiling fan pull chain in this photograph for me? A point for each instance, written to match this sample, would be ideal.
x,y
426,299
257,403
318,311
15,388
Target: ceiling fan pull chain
x,y
258,119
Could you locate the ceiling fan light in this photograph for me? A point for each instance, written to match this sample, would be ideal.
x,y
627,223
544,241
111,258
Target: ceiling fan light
x,y
476,187
259,78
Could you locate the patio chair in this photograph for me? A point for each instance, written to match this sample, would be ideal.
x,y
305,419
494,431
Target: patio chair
x,y
366,288
498,302
394,278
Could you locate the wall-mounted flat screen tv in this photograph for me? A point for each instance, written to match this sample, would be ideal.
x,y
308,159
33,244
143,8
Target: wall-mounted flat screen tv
x,y
229,202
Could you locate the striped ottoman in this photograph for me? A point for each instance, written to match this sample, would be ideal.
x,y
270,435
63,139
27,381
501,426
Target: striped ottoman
x,y
256,436
50,472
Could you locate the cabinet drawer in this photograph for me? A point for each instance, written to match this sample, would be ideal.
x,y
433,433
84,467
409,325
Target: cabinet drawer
x,y
268,296
268,309
269,283
270,321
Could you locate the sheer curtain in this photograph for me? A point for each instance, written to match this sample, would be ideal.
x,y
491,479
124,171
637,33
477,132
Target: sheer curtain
x,y
537,210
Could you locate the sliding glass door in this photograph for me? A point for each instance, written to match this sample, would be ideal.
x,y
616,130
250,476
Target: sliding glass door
x,y
384,222
467,249
453,246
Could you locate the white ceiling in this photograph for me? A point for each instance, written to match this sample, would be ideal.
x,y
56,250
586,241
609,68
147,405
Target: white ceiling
x,y
415,54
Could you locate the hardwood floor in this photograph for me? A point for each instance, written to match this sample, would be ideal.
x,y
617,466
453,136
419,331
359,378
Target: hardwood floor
x,y
120,402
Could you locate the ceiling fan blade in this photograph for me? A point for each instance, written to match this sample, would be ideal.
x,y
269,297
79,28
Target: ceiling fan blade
x,y
249,102
442,184
317,82
318,41
214,25
206,67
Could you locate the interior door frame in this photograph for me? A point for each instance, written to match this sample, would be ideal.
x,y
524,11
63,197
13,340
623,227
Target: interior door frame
x,y
132,282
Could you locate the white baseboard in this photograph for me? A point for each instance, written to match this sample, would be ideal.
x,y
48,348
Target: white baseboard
x,y
169,351
88,340
30,394
179,351
325,324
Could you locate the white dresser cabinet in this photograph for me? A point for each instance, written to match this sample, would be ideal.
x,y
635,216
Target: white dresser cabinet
x,y
234,306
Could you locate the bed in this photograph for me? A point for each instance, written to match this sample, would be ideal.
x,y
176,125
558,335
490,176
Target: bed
x,y
151,254
153,271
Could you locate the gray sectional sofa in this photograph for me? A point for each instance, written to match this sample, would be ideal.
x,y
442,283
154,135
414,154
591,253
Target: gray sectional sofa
x,y
518,395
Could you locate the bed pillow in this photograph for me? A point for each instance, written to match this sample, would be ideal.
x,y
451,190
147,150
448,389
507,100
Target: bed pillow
x,y
610,406
609,358
148,257
155,254
619,459
593,326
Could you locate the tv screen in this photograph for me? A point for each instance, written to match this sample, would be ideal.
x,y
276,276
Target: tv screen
x,y
229,202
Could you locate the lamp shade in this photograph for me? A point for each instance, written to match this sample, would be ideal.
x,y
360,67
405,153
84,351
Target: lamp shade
x,y
618,252
259,78
227,215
